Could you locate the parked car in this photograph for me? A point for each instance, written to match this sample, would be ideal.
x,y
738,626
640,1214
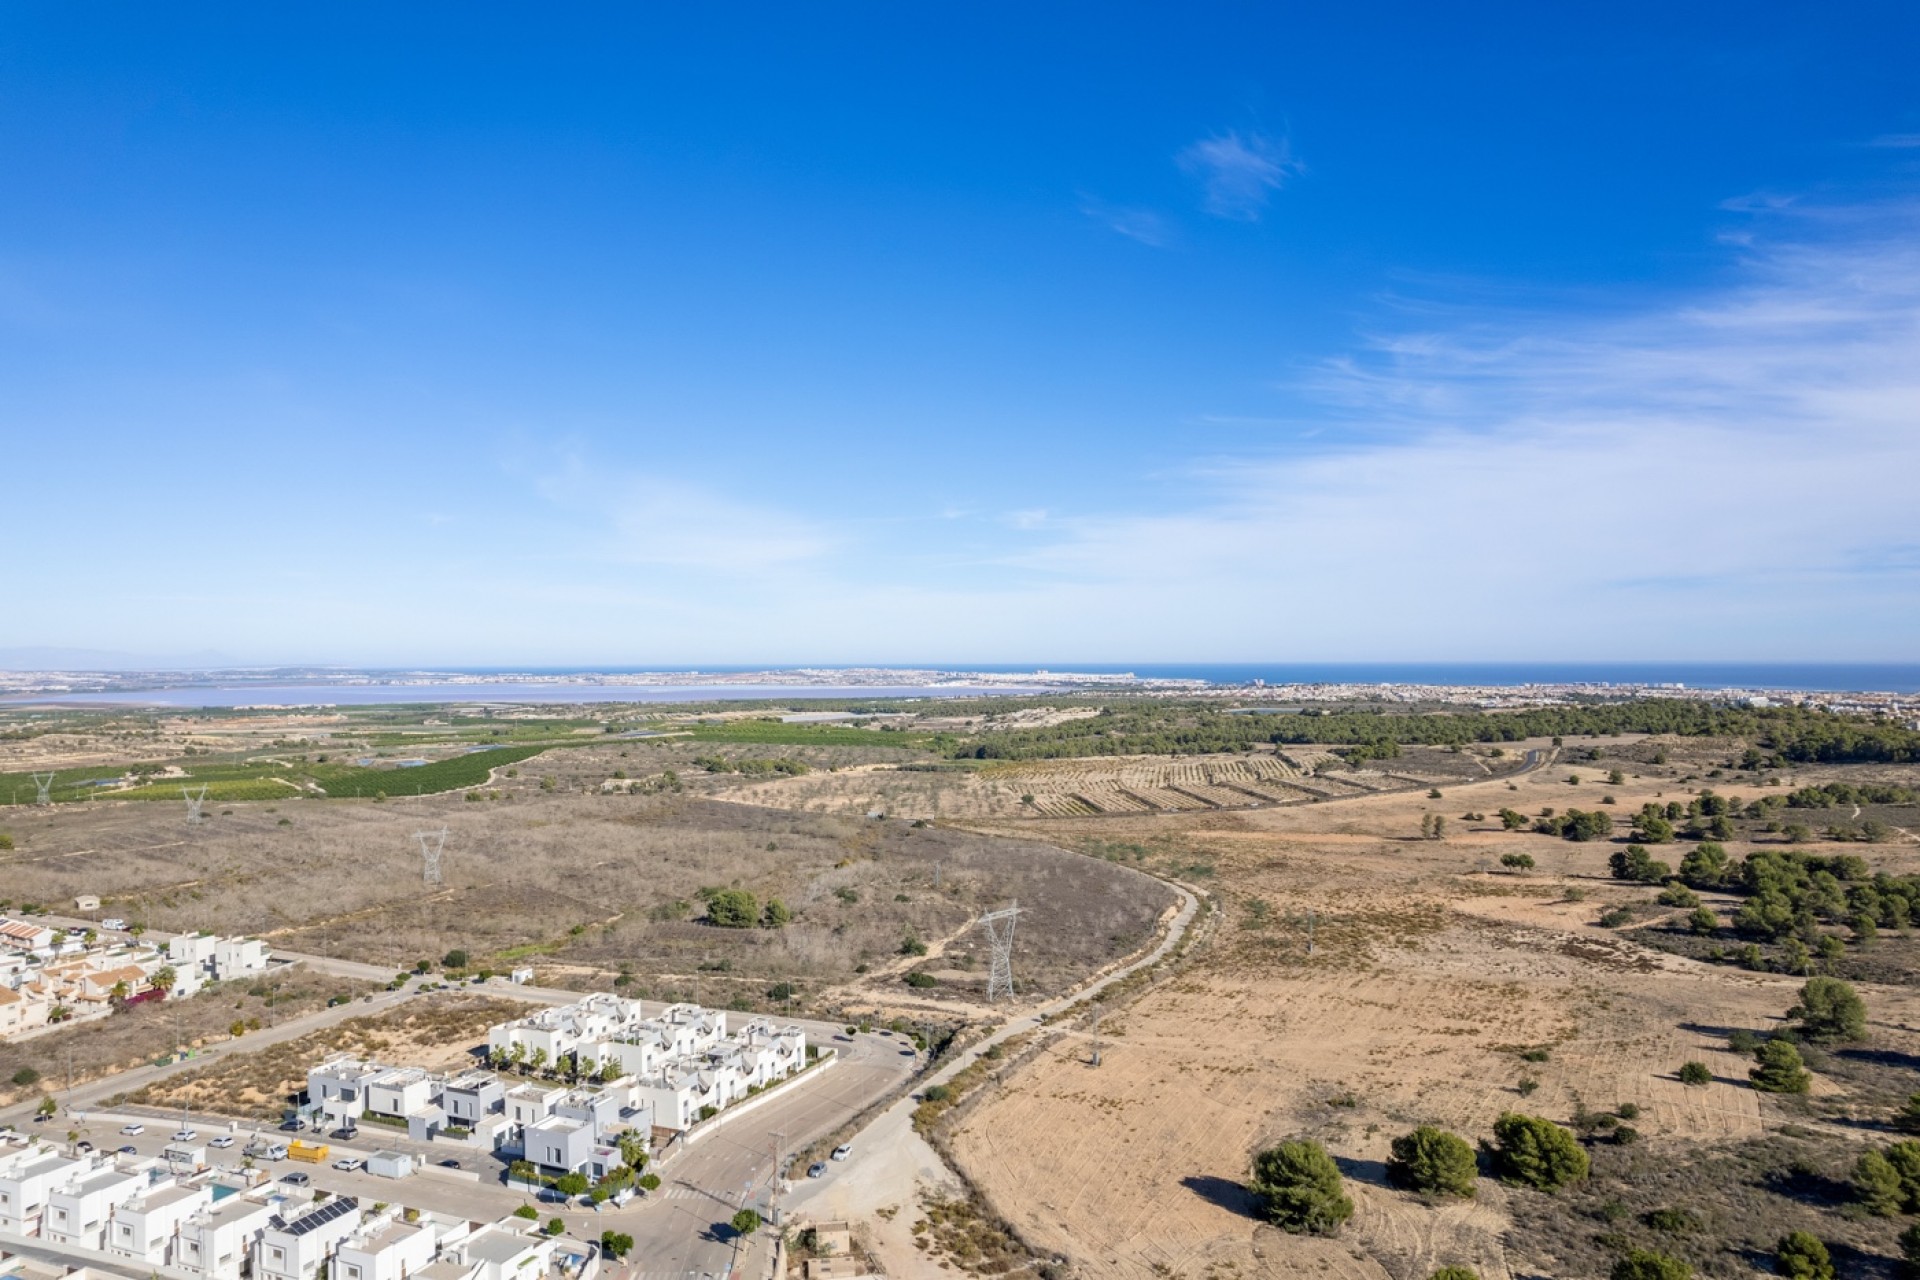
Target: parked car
x,y
289,1126
346,1133
113,922
349,1164
133,1130
842,1151
224,1141
278,1151
83,1146
449,1164
129,1151
184,1135
295,1179
818,1169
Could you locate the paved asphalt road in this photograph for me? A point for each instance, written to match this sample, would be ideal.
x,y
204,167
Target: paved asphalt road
x,y
679,1230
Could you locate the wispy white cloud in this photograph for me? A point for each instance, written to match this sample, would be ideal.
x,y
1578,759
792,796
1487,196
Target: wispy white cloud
x,y
1730,475
1897,140
643,519
1143,225
1238,173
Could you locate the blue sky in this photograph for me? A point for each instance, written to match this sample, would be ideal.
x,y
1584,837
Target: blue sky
x,y
460,334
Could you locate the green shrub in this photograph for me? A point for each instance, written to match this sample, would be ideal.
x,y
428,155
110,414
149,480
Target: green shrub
x,y
775,914
1829,1010
1780,1069
918,979
1642,1264
1695,1073
1876,1185
733,909
1433,1162
1910,1245
1513,862
1536,1153
745,1222
556,1226
1905,1159
26,1077
1455,1273
528,1212
1299,1188
1801,1256
1673,1221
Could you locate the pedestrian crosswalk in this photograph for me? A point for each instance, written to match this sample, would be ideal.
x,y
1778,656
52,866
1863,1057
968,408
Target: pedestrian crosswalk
x,y
680,1193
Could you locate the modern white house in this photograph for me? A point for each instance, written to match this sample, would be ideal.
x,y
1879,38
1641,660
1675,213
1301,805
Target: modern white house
x,y
79,1210
470,1097
505,1250
674,1063
385,1248
216,1243
339,1087
295,1248
398,1092
201,958
147,1228
28,1176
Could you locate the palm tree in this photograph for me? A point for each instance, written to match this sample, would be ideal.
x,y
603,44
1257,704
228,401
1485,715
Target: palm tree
x,y
164,978
539,1061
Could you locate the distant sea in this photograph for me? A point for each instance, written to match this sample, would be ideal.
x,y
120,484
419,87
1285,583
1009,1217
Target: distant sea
x,y
1787,676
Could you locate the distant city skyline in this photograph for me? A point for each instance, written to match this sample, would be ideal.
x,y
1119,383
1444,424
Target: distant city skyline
x,y
454,337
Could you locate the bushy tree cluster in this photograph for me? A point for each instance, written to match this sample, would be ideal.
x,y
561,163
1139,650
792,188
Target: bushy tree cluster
x,y
1577,824
1300,1188
1536,1153
1780,1069
1635,863
1887,1182
1783,734
1433,1162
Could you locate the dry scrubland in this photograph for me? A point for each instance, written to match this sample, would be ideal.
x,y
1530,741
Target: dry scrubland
x,y
591,888
1432,971
139,1034
1114,786
438,1032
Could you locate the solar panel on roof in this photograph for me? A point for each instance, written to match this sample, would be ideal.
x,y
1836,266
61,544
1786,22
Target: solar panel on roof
x,y
332,1211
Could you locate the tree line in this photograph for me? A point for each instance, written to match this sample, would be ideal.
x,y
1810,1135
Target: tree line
x,y
1781,735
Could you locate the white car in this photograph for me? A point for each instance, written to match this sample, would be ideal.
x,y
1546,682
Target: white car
x,y
347,1164
224,1141
184,1135
843,1151
113,922
133,1130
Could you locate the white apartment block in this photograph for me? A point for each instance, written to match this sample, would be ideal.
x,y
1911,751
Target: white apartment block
x,y
28,1176
79,1210
385,1248
147,1228
295,1248
201,958
681,1060
216,1243
506,1250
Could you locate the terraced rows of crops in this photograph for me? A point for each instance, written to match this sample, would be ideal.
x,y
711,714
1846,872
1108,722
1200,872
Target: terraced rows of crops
x,y
1089,787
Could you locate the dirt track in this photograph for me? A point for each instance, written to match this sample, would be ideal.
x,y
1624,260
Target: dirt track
x,y
1430,973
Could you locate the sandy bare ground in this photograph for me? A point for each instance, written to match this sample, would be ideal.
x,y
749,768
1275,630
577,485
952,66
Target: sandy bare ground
x,y
1428,976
